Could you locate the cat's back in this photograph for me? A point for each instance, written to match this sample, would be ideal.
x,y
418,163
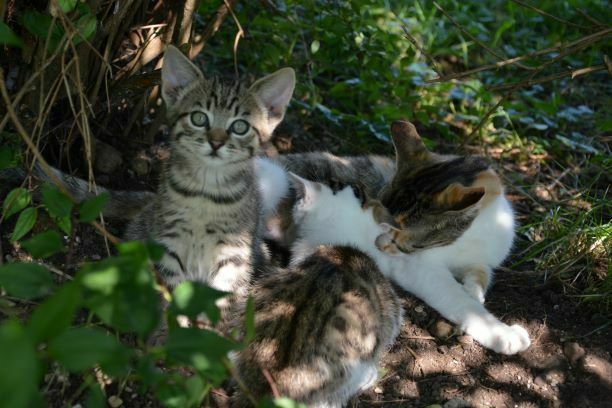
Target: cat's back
x,y
320,328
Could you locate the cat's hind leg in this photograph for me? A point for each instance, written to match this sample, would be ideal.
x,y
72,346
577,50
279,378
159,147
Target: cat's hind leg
x,y
476,280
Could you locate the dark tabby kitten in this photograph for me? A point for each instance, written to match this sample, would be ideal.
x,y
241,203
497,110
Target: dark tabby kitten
x,y
322,324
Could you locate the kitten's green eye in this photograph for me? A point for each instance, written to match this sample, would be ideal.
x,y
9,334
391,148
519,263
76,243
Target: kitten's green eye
x,y
240,127
199,119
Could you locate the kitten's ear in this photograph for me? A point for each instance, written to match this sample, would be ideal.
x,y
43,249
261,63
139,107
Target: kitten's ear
x,y
177,73
306,190
275,91
457,197
408,144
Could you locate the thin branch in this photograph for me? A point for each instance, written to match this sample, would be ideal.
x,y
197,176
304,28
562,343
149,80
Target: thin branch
x,y
571,73
239,34
572,46
415,43
545,14
476,40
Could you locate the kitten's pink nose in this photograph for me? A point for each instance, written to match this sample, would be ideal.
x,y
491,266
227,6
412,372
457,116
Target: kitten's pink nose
x,y
216,144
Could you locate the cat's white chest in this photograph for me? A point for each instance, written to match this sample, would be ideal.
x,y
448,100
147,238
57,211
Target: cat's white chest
x,y
488,240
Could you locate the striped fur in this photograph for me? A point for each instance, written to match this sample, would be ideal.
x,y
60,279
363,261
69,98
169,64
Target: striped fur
x,y
322,324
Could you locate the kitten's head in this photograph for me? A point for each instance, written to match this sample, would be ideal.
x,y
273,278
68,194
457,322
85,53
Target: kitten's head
x,y
219,121
433,198
337,214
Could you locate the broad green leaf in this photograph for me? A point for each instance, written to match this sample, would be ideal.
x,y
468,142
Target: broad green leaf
x,y
8,37
81,348
20,368
204,350
143,251
314,46
58,204
26,280
64,223
91,208
55,314
122,294
95,397
67,5
44,244
15,201
192,298
86,26
7,156
42,26
281,402
182,392
25,222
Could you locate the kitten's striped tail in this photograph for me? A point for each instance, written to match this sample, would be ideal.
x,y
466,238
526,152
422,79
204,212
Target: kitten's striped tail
x,y
121,205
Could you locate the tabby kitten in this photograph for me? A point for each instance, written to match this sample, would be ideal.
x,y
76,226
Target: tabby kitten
x,y
206,212
322,324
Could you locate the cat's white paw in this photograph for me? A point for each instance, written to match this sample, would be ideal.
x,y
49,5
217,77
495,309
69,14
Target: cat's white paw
x,y
501,338
510,339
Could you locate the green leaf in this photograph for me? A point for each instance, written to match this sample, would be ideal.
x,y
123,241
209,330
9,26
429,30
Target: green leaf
x,y
42,26
282,402
95,397
8,37
81,348
44,244
15,201
26,280
67,5
204,350
182,392
64,223
91,208
7,156
57,203
122,294
25,222
192,298
55,314
314,46
86,26
20,368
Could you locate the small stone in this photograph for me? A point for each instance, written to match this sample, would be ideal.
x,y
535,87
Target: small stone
x,y
466,340
378,390
442,330
96,257
114,401
574,352
456,403
443,349
107,158
540,381
77,406
141,166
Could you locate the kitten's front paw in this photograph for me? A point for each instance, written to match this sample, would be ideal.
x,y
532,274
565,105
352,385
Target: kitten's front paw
x,y
510,339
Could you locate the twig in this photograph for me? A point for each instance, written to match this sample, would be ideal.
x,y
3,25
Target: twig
x,y
415,43
574,46
571,73
239,34
545,14
211,28
476,40
270,380
241,385
418,337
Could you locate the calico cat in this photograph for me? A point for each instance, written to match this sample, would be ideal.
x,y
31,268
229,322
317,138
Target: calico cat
x,y
322,324
420,258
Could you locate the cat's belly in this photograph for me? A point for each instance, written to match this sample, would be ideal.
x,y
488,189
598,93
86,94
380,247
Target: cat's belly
x,y
488,240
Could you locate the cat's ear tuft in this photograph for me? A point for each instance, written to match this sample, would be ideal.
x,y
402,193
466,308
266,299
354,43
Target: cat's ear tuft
x,y
306,191
177,73
457,197
275,91
408,144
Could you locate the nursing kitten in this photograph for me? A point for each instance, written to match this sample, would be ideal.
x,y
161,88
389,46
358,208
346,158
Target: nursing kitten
x,y
322,324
